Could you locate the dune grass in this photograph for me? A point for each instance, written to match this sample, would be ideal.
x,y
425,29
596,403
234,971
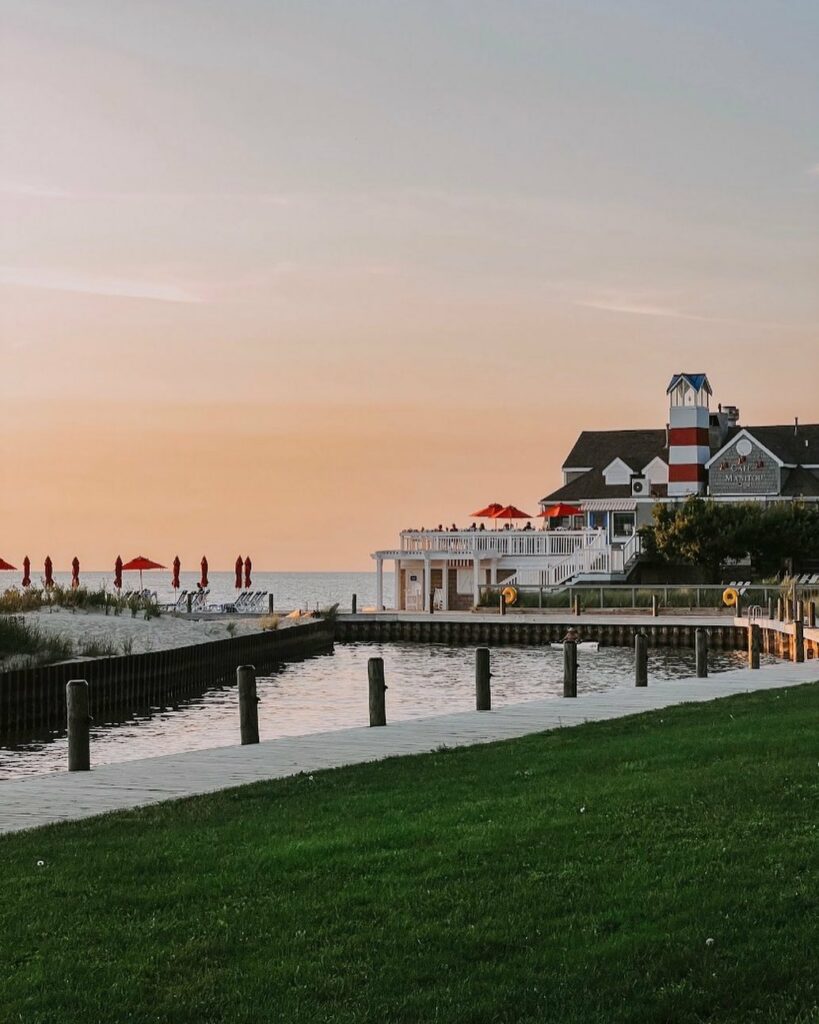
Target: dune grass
x,y
661,868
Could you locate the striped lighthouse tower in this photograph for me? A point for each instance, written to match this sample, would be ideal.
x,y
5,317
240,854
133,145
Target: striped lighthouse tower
x,y
688,444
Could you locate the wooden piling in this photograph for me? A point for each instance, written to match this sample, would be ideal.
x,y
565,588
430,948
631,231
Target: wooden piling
x,y
569,668
79,743
655,609
641,660
812,614
701,647
248,704
798,640
501,604
754,645
483,675
375,673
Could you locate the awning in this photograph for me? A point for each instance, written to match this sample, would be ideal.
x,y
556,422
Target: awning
x,y
608,504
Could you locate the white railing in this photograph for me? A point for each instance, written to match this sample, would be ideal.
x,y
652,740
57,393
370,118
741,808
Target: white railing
x,y
499,543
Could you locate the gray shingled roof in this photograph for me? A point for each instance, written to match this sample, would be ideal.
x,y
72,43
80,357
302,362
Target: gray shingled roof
x,y
800,482
595,449
790,446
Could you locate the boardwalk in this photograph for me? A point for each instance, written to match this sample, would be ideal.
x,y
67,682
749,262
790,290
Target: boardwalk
x,y
46,799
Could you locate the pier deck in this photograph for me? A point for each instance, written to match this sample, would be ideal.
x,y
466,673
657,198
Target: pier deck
x,y
46,799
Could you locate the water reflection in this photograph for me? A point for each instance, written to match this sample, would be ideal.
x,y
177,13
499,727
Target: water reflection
x,y
330,692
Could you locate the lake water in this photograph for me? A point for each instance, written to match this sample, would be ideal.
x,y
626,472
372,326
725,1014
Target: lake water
x,y
330,692
290,589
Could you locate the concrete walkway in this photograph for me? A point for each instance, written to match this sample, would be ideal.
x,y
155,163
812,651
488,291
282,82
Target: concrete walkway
x,y
45,799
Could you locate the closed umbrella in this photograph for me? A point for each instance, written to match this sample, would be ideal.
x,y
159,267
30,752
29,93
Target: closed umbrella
x,y
75,573
177,565
238,567
49,572
140,564
248,567
204,581
6,566
26,572
118,573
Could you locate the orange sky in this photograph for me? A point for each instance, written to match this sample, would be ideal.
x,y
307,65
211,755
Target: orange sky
x,y
284,279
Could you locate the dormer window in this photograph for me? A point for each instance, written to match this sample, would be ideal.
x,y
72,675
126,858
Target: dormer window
x,y
617,472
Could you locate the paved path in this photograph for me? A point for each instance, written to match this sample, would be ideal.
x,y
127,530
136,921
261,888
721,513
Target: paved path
x,y
42,800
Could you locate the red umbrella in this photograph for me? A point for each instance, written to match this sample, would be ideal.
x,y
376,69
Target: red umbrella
x,y
26,572
204,581
248,567
489,512
4,566
560,510
511,512
238,567
177,565
140,563
75,573
49,572
118,573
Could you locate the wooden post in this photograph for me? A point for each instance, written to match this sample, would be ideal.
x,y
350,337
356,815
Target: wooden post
x,y
800,611
655,611
431,600
79,747
501,604
354,605
812,614
770,607
248,704
569,668
189,603
798,640
483,691
641,660
701,646
270,604
754,645
780,610
375,673
577,604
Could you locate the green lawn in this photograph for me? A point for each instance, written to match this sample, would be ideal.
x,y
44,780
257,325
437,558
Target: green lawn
x,y
662,868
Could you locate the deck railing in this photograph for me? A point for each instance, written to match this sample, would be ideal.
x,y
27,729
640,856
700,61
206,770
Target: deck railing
x,y
499,543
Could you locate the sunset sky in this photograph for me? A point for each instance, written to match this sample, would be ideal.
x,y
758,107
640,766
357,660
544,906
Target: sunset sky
x,y
286,277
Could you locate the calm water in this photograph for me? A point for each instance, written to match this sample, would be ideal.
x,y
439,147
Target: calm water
x,y
290,589
330,692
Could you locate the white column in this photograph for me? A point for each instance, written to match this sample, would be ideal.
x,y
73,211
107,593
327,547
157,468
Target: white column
x,y
379,584
445,585
476,579
427,583
397,591
493,572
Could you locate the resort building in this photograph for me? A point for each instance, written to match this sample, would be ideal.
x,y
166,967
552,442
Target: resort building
x,y
612,480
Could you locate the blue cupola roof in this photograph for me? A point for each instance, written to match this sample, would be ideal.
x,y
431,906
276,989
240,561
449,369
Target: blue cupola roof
x,y
698,382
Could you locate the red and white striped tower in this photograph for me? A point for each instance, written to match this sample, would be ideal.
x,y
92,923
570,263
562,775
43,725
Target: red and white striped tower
x,y
688,444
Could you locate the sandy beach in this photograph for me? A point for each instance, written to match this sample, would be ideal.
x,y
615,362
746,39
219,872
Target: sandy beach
x,y
136,635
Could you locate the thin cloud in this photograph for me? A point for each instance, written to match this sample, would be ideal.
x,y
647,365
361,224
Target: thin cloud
x,y
67,281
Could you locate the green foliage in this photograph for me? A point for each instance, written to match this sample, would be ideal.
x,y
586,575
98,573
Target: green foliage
x,y
19,637
655,869
709,533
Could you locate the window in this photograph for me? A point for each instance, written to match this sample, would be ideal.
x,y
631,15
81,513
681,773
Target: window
x,y
622,524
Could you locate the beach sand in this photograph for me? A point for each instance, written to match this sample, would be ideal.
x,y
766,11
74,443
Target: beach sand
x,y
138,635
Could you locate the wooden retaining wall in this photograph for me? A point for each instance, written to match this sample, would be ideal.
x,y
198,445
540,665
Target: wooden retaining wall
x,y
32,700
728,637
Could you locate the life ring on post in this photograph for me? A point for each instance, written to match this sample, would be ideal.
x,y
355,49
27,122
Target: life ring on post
x,y
730,597
510,595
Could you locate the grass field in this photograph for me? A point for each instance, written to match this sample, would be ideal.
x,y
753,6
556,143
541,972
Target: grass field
x,y
661,868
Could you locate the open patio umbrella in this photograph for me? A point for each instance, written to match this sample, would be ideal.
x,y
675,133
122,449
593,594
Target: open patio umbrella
x,y
238,569
248,567
488,512
140,564
49,572
75,573
204,581
6,566
26,572
118,573
559,511
511,512
177,565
